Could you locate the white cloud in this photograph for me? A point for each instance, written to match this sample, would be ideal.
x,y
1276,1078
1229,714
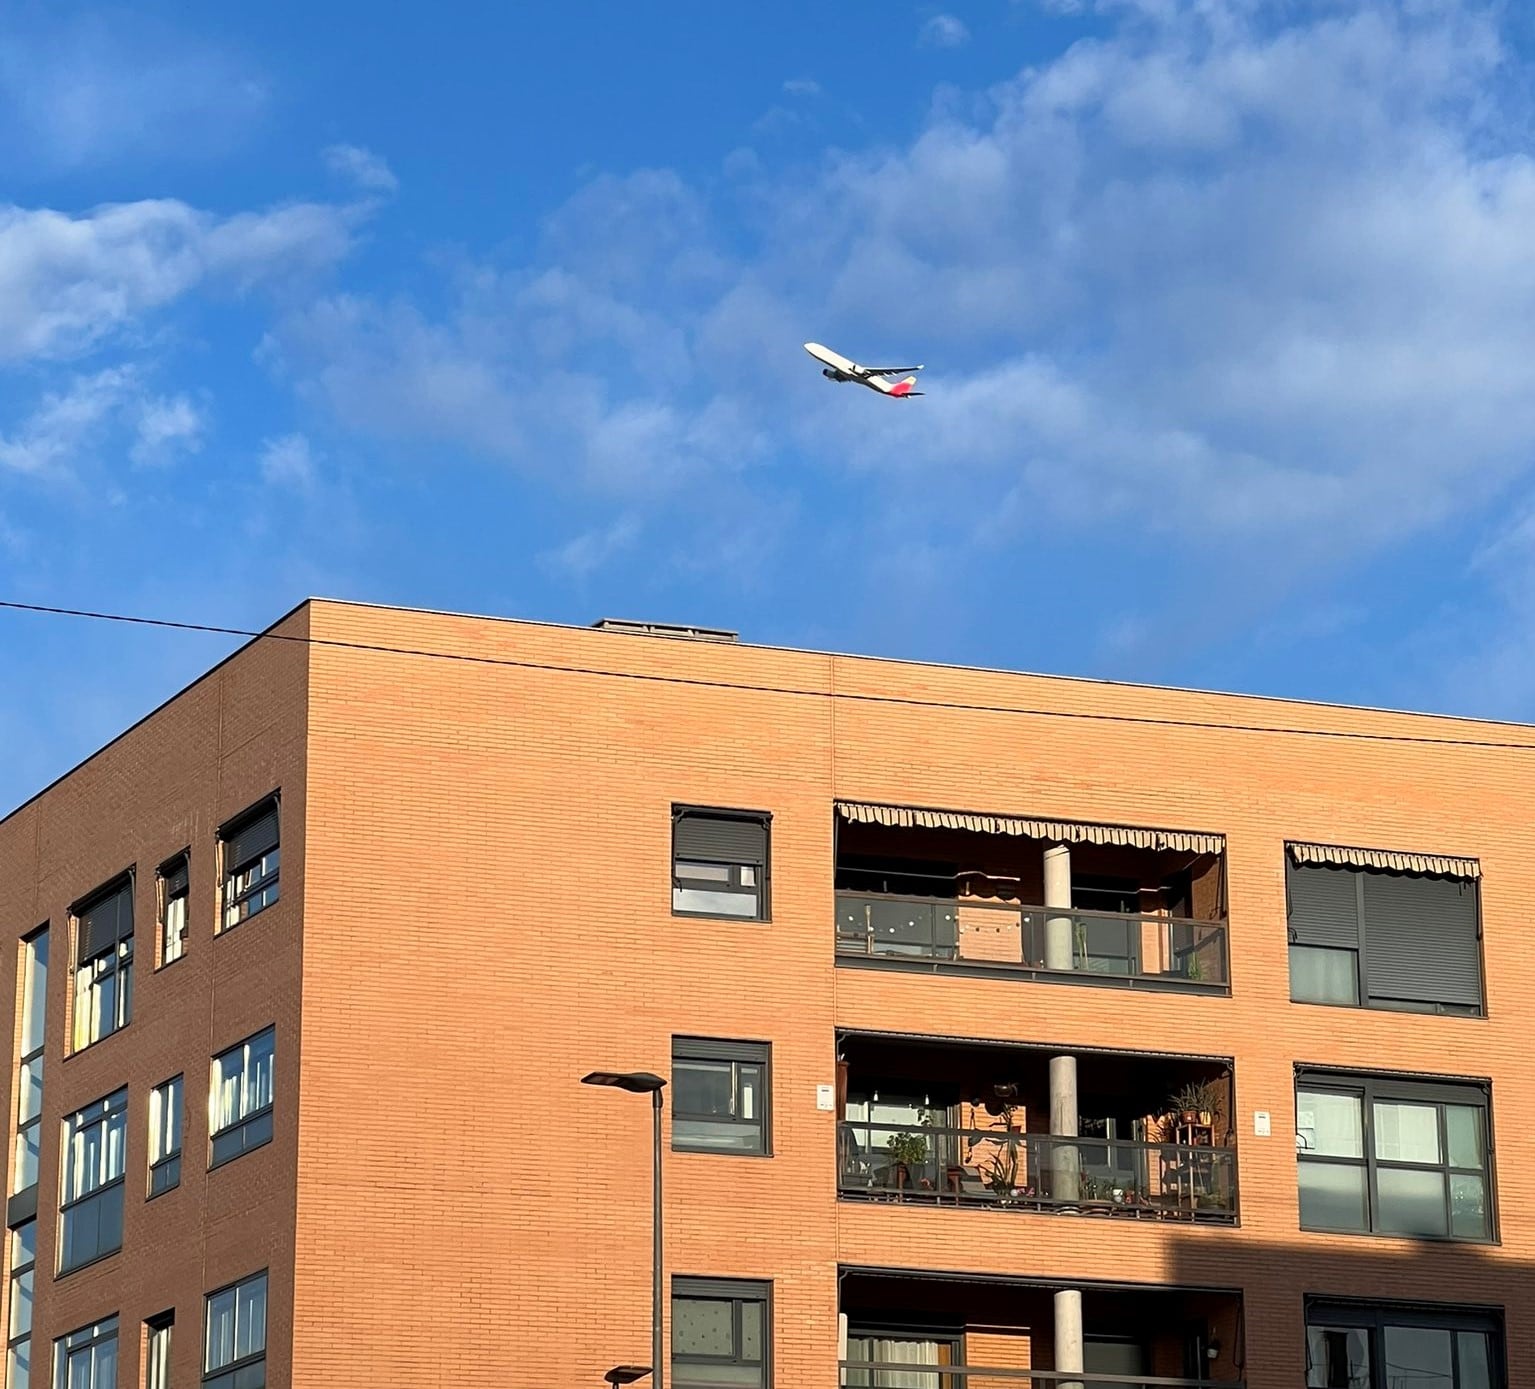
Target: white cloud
x,y
69,281
583,555
368,171
802,86
288,461
168,426
65,422
945,31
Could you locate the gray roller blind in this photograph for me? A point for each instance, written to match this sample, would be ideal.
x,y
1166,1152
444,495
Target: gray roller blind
x,y
1324,905
105,921
720,838
174,876
713,1049
248,841
1420,935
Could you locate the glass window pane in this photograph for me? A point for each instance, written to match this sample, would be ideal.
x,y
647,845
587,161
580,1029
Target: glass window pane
x,y
18,1368
1463,1125
1332,1197
1419,1356
29,1103
1411,1203
702,1327
704,872
24,1244
1468,1207
751,1085
1475,1361
703,1087
716,1376
1321,975
1406,1132
751,1330
1329,1125
21,1304
688,899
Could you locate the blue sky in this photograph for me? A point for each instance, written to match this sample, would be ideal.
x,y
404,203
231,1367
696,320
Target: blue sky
x,y
1228,310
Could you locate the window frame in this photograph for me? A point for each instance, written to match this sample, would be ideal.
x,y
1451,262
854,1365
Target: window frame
x,y
736,1291
1360,950
1373,1316
117,959
63,1351
157,1354
762,893
232,899
248,1120
19,1269
113,1105
1371,1088
179,862
26,984
170,1160
735,1054
212,1374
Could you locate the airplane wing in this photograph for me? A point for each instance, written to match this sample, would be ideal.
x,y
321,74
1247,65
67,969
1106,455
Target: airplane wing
x,y
888,371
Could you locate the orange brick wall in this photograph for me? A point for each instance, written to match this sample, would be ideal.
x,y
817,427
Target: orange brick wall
x,y
486,916
166,785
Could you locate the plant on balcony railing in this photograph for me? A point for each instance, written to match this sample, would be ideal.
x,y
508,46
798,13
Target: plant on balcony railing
x,y
1202,1101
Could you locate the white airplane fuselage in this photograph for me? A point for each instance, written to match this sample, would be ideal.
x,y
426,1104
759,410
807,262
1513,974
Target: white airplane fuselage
x,y
836,367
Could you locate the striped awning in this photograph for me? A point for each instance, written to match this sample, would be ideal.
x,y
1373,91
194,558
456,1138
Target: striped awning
x,y
1053,831
1387,861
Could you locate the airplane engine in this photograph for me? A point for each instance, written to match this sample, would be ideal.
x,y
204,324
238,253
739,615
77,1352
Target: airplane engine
x,y
831,375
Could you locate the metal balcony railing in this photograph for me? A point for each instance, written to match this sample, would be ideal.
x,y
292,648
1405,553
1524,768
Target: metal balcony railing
x,y
1048,941
1031,1171
870,1374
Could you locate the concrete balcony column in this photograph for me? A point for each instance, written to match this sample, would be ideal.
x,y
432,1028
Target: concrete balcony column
x,y
1068,1336
1058,928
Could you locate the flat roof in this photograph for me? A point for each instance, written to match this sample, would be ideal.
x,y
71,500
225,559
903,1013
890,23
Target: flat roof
x,y
1099,682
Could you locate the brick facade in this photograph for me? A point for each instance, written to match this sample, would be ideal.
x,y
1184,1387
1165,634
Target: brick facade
x,y
476,910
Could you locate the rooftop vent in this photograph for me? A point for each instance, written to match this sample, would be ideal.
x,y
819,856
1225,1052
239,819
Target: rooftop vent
x,y
665,629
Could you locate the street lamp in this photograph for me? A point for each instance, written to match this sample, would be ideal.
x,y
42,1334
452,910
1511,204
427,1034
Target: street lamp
x,y
626,1374
644,1083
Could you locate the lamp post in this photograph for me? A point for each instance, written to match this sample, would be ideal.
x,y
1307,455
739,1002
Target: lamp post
x,y
626,1374
644,1083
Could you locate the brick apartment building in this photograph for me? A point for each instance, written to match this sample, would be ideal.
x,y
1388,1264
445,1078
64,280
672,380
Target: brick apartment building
x,y
1019,1031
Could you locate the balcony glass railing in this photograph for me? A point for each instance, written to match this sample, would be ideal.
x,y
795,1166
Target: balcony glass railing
x,y
1033,1171
1047,941
871,1374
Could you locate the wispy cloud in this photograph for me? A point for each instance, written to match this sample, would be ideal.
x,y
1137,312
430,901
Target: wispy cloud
x,y
78,92
69,281
581,556
802,86
65,422
168,427
288,461
366,170
945,31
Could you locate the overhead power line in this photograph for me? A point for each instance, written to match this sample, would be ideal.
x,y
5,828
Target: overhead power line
x,y
700,682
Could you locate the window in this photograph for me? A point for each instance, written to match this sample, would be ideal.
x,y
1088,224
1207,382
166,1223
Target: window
x,y
87,1358
905,1355
23,1261
251,856
157,1351
1359,1345
240,1097
91,1209
104,963
174,881
1394,1157
1364,936
29,1086
234,1346
165,1136
720,1099
720,863
721,1333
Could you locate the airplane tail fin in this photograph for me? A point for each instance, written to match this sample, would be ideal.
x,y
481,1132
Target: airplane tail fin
x,y
904,387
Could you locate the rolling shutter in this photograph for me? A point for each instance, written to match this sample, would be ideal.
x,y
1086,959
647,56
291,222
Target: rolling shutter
x,y
174,877
1324,906
248,841
715,838
1421,938
105,921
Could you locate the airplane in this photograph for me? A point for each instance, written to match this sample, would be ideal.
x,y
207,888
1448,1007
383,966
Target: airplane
x,y
838,368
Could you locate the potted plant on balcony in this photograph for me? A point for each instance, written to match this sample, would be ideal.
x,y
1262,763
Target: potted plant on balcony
x,y
907,1150
1199,1102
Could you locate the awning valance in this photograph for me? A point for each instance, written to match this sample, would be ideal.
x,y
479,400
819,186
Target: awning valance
x,y
1054,831
1437,865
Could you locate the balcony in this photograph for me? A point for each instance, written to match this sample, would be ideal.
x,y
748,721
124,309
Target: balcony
x,y
905,1330
944,891
941,1123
